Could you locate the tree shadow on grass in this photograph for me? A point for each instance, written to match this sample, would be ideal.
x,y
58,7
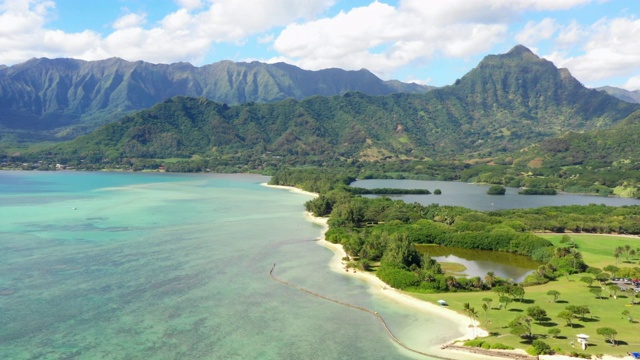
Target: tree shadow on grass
x,y
548,323
589,320
576,326
527,301
516,310
562,302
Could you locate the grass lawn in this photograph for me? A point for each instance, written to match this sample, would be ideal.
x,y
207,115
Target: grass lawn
x,y
606,312
597,251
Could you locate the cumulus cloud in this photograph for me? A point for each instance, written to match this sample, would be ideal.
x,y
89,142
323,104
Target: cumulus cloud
x,y
632,84
23,36
413,32
533,32
186,34
189,4
129,20
610,47
378,36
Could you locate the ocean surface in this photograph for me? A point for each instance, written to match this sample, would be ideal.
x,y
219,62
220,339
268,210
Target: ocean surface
x,y
97,265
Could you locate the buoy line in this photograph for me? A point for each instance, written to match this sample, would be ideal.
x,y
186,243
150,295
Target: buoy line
x,y
374,313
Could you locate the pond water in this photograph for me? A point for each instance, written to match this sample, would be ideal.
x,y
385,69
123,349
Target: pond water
x,y
474,196
479,262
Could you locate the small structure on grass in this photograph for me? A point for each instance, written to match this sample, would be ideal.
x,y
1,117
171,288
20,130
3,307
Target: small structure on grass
x,y
583,340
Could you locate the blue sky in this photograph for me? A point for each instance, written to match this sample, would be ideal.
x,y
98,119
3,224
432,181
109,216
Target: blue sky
x,y
427,41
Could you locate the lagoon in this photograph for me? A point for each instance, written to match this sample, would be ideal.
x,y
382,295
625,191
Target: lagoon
x,y
175,266
474,196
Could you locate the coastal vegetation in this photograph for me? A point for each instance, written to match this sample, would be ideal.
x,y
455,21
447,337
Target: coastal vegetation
x,y
542,314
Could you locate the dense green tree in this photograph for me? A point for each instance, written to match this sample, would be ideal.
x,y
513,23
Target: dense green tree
x,y
553,295
567,316
587,280
608,333
554,332
537,313
521,326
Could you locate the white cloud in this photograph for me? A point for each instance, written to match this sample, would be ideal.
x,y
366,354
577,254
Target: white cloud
x,y
189,4
413,32
536,31
611,47
184,35
632,84
570,35
129,20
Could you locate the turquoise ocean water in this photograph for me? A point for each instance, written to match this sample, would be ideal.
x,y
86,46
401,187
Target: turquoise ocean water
x,y
175,266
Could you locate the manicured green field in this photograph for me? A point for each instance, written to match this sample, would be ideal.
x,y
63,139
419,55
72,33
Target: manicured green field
x,y
597,250
605,312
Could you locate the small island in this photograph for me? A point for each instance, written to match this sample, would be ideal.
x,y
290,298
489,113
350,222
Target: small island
x,y
496,190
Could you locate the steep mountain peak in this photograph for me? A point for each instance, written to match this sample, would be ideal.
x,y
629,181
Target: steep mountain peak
x,y
521,50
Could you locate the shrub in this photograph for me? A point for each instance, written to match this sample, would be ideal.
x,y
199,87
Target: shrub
x,y
499,346
539,347
474,343
397,278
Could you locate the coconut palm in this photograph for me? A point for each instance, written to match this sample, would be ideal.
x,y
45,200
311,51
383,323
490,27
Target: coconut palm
x,y
490,278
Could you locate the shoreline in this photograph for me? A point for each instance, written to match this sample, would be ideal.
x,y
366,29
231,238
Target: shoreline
x,y
378,287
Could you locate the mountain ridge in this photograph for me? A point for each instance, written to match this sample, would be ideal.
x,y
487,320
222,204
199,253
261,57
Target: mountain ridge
x,y
66,97
506,103
632,96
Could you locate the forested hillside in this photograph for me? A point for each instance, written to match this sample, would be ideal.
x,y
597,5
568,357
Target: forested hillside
x,y
506,103
48,99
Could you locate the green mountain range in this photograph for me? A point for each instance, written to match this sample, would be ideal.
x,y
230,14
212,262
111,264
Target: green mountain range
x,y
508,102
53,99
622,94
617,145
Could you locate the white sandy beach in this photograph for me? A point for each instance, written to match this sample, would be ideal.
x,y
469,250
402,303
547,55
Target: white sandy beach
x,y
378,287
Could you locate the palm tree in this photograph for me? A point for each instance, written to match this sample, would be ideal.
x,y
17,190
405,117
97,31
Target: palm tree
x,y
473,314
477,282
627,248
452,282
576,255
485,308
542,270
617,252
490,278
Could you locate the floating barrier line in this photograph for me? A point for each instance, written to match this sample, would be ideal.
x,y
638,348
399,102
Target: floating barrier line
x,y
374,313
